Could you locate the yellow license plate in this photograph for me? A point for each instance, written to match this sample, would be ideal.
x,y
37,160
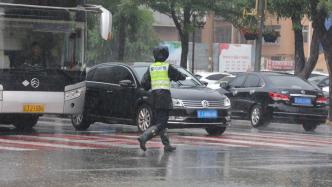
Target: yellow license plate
x,y
32,108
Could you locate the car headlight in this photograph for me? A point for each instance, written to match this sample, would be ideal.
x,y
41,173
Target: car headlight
x,y
73,94
177,103
227,102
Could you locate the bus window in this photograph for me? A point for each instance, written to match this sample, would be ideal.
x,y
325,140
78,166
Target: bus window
x,y
74,57
50,45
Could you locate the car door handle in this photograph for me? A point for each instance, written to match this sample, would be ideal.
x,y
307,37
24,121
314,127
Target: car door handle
x,y
109,91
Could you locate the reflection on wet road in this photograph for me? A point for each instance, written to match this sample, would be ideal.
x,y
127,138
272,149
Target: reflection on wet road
x,y
108,155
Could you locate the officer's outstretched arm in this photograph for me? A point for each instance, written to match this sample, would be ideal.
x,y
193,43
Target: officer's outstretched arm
x,y
175,75
146,81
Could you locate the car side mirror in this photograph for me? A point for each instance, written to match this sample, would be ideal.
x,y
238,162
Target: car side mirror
x,y
224,85
205,83
126,83
105,24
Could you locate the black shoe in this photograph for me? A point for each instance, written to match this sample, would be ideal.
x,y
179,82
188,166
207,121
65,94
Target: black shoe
x,y
141,144
169,148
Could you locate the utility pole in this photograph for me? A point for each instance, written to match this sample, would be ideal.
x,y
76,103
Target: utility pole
x,y
198,22
261,8
211,41
193,46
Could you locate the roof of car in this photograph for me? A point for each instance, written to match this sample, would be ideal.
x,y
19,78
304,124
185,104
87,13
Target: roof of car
x,y
205,74
129,64
122,63
269,73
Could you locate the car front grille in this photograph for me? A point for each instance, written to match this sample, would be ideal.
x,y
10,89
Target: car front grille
x,y
203,104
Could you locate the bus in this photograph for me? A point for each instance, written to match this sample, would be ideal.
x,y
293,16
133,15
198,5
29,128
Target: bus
x,y
43,48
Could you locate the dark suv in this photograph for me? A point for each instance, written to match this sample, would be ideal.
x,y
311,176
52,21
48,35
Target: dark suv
x,y
114,95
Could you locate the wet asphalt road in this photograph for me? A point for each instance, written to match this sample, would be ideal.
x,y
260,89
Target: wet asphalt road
x,y
108,155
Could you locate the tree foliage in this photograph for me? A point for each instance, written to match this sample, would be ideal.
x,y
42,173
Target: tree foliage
x,y
182,12
133,33
232,11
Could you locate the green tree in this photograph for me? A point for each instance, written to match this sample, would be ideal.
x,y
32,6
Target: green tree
x,y
133,33
296,10
182,11
316,10
321,11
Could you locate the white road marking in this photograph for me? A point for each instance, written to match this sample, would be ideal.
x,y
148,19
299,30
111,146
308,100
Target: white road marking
x,y
24,142
242,142
15,149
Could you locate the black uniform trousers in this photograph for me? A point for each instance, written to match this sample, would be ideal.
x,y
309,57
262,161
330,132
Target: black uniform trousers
x,y
161,118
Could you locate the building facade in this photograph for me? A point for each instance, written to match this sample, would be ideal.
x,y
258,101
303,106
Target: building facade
x,y
217,30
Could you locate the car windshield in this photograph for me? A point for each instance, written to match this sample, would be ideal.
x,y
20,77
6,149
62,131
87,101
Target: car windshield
x,y
288,82
191,81
316,79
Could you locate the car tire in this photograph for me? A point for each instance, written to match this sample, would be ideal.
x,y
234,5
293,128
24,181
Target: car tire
x,y
25,123
143,117
215,131
80,122
257,116
309,126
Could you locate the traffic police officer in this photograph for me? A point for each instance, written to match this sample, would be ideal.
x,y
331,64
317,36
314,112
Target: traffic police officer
x,y
158,78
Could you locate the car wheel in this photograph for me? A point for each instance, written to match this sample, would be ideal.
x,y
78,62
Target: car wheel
x,y
309,126
257,117
215,131
25,123
80,122
144,117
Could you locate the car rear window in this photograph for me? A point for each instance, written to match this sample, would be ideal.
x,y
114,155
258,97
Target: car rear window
x,y
227,79
316,79
215,77
290,82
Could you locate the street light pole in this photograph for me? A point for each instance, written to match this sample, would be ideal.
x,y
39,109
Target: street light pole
x,y
258,56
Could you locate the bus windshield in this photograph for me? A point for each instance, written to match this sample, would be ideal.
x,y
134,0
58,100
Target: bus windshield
x,y
40,44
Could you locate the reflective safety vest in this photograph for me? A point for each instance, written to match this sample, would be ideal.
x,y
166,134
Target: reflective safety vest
x,y
159,76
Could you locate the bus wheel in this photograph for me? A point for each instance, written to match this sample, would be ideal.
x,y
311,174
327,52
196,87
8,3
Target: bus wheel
x,y
25,123
80,122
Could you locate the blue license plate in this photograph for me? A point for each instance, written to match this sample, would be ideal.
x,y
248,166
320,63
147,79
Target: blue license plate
x,y
207,114
302,101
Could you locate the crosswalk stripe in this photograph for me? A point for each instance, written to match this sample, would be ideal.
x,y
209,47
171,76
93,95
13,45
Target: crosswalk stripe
x,y
119,139
45,141
44,144
24,146
177,141
15,149
283,137
273,140
241,142
95,142
233,141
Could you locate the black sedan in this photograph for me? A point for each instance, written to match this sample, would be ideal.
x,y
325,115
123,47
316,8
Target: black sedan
x,y
264,97
115,95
